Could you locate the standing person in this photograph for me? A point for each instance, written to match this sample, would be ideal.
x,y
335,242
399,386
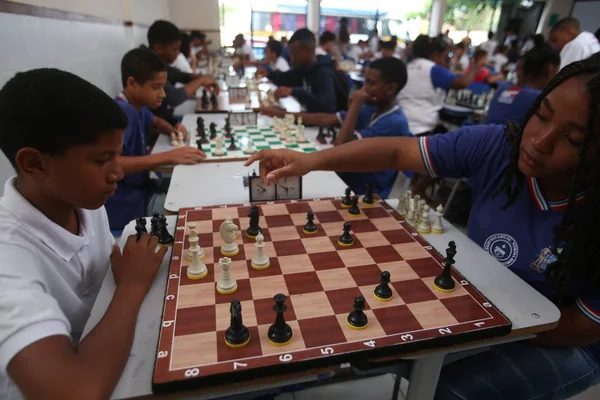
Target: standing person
x,y
490,45
243,51
573,43
344,36
374,41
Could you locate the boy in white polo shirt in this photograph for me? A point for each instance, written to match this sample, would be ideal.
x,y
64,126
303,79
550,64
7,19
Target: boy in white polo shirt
x,y
63,136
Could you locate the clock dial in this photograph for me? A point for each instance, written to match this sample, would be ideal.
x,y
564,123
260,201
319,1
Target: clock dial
x,y
259,191
289,188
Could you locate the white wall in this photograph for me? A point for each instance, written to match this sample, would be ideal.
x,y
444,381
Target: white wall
x,y
560,7
111,9
197,14
588,13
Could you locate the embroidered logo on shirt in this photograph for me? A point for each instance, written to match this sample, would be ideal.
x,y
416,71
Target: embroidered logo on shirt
x,y
545,258
502,246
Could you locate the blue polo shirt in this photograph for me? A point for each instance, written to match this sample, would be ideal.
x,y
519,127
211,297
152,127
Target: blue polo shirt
x,y
134,190
391,123
520,236
510,103
442,77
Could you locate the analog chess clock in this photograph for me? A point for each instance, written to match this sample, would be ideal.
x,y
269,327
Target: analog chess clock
x,y
288,188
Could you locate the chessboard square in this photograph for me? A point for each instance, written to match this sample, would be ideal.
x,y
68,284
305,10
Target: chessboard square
x,y
199,215
202,227
398,236
457,292
321,331
333,279
465,309
195,320
321,206
411,251
300,219
372,239
356,257
277,146
367,293
239,269
295,264
342,300
319,233
242,293
289,247
250,250
273,221
386,224
372,330
352,218
266,235
384,254
397,319
317,245
274,269
432,314
303,282
194,350
425,267
297,342
288,232
224,212
311,305
333,228
263,147
362,226
375,212
207,240
185,281
309,149
298,208
274,209
200,294
223,314
240,256
263,309
292,146
413,291
266,287
366,275
226,353
330,216
399,271
326,261
335,241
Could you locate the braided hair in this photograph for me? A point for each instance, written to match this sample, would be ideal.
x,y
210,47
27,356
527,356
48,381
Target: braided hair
x,y
576,245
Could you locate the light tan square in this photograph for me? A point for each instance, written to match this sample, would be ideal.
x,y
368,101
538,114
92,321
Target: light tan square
x,y
311,305
386,224
224,212
295,264
300,219
367,292
239,269
318,245
373,329
356,257
432,314
318,206
201,227
348,217
223,315
297,342
411,251
265,287
194,350
338,278
274,209
245,223
399,271
200,294
372,239
458,289
333,228
284,233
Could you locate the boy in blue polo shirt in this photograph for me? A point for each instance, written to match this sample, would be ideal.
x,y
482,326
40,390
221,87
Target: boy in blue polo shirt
x,y
144,76
373,112
536,192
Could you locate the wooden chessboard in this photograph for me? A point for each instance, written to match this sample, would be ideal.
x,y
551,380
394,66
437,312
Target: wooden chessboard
x,y
321,279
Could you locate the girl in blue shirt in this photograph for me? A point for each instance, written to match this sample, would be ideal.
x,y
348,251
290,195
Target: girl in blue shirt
x,y
536,191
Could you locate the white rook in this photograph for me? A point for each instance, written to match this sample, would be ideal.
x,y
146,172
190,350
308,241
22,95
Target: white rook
x,y
226,283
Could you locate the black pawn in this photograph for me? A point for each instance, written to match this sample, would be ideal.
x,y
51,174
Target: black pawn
x,y
358,319
204,99
154,228
383,290
199,144
199,121
280,332
237,334
227,127
346,238
213,130
354,210
253,228
347,201
164,237
368,197
310,226
214,101
142,223
202,134
232,146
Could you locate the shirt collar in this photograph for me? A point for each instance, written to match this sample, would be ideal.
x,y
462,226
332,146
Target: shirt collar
x,y
542,203
61,241
388,112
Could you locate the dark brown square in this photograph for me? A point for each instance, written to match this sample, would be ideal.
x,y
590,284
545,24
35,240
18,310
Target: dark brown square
x,y
208,278
321,331
342,300
274,269
397,319
244,211
195,320
375,212
320,232
330,216
199,215
413,291
397,236
326,260
425,267
239,256
244,292
334,239
384,254
274,221
247,240
338,204
217,224
366,275
303,282
298,208
265,315
252,349
289,247
464,308
363,225
204,240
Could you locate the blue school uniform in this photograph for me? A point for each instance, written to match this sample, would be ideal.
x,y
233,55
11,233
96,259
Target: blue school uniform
x,y
391,123
510,103
134,190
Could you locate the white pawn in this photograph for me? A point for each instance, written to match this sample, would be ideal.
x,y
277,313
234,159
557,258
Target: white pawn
x,y
437,226
219,149
301,136
260,261
226,283
174,139
420,206
425,224
197,269
180,139
402,205
250,148
411,218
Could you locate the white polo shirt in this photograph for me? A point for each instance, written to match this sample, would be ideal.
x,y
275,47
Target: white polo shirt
x,y
49,278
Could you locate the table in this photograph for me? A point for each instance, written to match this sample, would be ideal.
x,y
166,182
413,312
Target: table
x,y
528,310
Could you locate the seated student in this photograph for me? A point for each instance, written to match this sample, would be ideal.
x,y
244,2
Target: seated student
x,y
311,81
534,70
273,60
200,46
182,62
428,74
327,42
164,39
360,51
499,59
482,74
63,136
143,75
243,51
373,112
386,49
536,190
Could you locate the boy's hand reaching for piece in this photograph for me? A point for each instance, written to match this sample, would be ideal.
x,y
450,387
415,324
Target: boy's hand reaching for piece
x,y
181,128
185,155
210,83
276,164
282,91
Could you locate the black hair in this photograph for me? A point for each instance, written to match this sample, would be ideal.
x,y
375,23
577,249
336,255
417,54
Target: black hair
x,y
275,46
305,37
570,22
479,54
186,42
392,70
389,45
422,47
52,111
343,21
539,57
575,242
438,45
141,64
490,35
460,45
197,35
163,32
326,37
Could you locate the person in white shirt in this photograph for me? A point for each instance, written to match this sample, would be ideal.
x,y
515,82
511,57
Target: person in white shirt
x,y
490,45
574,45
360,50
499,60
460,59
374,41
327,46
273,59
55,242
243,51
182,62
200,46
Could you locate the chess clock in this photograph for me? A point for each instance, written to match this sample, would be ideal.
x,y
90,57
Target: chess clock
x,y
288,188
238,92
237,118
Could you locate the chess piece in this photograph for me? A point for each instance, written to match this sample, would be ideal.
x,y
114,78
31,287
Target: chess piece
x,y
402,205
260,260
204,99
232,146
139,231
248,101
202,135
226,283
199,144
437,226
237,335
347,201
357,319
154,228
321,137
197,269
228,231
214,101
425,224
140,227
310,228
219,149
368,197
250,148
444,282
174,142
301,135
180,142
227,127
383,291
213,130
346,239
354,210
280,333
193,234
253,228
164,237
411,217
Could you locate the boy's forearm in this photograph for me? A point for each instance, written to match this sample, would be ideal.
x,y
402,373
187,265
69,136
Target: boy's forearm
x,y
135,164
192,87
162,126
346,133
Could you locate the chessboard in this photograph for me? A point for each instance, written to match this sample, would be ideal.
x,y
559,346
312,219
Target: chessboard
x,y
321,279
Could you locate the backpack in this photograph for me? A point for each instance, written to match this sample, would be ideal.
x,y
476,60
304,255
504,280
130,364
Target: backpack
x,y
341,83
